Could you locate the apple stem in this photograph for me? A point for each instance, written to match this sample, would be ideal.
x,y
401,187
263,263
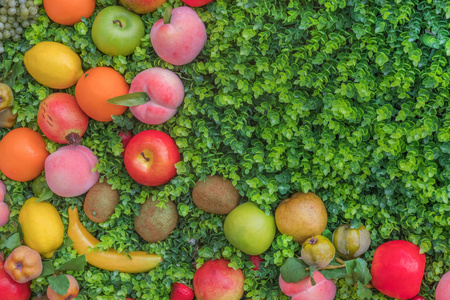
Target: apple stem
x,y
143,155
167,15
118,21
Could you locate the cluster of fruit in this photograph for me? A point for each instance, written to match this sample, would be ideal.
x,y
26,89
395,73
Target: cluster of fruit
x,y
15,16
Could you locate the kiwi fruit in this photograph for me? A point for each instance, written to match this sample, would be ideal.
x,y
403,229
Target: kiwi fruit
x,y
100,202
215,195
154,223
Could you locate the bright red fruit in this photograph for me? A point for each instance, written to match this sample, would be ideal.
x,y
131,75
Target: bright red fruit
x,y
397,269
150,157
181,291
215,280
11,290
125,137
256,260
418,297
196,3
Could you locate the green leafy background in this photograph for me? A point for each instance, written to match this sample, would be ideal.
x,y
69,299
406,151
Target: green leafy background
x,y
348,99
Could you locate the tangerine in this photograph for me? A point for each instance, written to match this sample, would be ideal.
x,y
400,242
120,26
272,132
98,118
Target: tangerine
x,y
69,12
22,154
95,87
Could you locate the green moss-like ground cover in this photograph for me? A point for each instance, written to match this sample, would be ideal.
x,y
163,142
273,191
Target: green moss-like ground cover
x,y
348,99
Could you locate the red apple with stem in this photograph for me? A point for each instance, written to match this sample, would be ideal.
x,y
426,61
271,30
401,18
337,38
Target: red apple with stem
x,y
196,3
150,157
397,269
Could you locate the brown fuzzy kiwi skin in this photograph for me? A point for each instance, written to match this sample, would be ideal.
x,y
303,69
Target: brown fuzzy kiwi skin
x,y
215,195
100,202
154,223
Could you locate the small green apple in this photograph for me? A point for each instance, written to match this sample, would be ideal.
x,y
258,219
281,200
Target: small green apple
x,y
249,229
117,31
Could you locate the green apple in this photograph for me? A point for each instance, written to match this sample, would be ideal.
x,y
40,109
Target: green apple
x,y
249,229
117,31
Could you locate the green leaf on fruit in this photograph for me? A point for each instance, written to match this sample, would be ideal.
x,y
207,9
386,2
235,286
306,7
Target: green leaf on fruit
x,y
312,269
47,268
66,243
357,271
131,99
45,195
60,284
363,292
75,264
12,242
294,270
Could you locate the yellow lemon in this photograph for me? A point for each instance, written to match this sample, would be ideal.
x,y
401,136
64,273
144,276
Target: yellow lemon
x,y
53,64
42,226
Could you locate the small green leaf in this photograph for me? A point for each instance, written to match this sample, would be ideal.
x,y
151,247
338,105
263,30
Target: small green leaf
x,y
328,234
363,292
13,241
361,271
312,269
294,270
60,284
47,268
75,264
131,99
46,194
381,59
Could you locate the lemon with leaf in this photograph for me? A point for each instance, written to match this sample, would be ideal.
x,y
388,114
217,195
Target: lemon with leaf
x,y
42,226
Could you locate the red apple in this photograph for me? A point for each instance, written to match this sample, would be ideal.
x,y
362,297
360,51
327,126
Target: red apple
x,y
125,138
165,91
150,157
418,297
397,269
215,280
11,290
196,3
179,37
142,6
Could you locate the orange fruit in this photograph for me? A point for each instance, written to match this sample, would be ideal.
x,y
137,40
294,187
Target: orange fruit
x,y
68,12
22,154
95,87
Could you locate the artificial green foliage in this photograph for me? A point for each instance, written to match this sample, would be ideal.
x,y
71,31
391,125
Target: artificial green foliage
x,y
347,99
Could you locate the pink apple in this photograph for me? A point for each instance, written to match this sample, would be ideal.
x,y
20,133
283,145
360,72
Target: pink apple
x,y
69,170
165,91
443,287
324,289
397,269
142,6
150,157
179,37
196,3
215,280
